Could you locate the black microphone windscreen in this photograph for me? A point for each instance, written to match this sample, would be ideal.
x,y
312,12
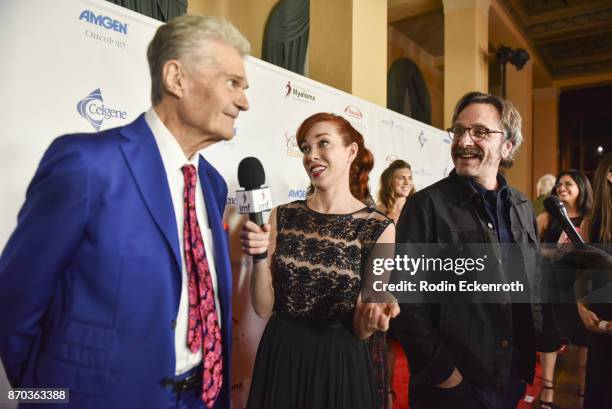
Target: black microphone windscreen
x,y
251,173
553,204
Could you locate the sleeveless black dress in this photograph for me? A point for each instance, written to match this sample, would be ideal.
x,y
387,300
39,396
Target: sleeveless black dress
x,y
562,322
309,356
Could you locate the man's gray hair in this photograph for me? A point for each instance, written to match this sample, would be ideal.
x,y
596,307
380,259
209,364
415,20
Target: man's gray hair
x,y
546,184
511,120
185,38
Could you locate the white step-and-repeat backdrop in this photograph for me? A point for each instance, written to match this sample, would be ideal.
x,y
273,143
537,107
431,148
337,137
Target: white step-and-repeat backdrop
x,y
80,66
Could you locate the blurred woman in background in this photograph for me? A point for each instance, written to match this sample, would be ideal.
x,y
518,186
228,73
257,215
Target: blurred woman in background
x,y
597,318
562,323
396,185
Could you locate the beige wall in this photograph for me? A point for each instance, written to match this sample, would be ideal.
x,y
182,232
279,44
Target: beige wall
x,y
248,15
347,46
466,36
545,133
370,50
400,46
520,93
330,51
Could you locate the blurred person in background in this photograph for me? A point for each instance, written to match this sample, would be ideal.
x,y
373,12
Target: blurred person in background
x,y
543,188
396,185
562,323
597,318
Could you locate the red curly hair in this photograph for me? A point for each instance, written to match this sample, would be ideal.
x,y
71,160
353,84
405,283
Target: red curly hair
x,y
363,162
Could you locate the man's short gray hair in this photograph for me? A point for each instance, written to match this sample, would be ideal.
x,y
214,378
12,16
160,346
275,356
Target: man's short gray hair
x,y
546,184
510,119
184,38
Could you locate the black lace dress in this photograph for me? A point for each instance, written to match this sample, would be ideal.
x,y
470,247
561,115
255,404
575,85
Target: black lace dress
x,y
309,356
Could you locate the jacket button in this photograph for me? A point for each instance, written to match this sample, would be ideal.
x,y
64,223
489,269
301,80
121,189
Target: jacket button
x,y
504,343
490,225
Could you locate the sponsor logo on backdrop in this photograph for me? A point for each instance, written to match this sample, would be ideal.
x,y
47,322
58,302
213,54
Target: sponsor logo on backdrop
x,y
391,124
422,173
237,330
93,109
297,194
353,111
422,139
354,116
291,145
105,22
299,93
237,386
390,158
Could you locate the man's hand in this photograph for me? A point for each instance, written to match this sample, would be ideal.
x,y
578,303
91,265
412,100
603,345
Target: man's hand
x,y
589,258
371,317
455,379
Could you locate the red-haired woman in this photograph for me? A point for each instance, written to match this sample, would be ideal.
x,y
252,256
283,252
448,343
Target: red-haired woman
x,y
312,353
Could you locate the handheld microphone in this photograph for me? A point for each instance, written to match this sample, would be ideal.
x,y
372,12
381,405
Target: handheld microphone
x,y
556,209
253,198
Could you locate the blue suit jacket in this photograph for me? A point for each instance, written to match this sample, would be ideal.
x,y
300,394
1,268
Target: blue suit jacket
x,y
90,280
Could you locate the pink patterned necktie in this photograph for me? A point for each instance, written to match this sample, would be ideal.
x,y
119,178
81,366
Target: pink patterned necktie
x,y
204,331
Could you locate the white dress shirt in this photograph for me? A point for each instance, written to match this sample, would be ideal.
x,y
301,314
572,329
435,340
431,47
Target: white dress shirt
x,y
174,159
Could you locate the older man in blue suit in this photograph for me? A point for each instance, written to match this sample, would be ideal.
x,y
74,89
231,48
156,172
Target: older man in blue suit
x,y
116,283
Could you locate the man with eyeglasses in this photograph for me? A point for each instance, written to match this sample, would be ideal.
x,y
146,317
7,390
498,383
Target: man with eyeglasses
x,y
472,355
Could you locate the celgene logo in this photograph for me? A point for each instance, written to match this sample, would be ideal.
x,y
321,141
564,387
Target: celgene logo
x,y
353,111
92,108
104,21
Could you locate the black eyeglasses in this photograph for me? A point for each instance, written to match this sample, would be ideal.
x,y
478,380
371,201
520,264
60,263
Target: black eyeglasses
x,y
477,133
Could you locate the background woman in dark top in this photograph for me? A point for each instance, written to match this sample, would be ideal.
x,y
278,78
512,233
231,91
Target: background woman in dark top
x,y
597,228
562,324
395,186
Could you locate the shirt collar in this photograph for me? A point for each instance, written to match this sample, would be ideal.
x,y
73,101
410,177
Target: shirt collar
x,y
501,183
171,151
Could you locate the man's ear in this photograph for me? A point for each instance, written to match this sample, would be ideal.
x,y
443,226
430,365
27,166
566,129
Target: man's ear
x,y
506,149
173,78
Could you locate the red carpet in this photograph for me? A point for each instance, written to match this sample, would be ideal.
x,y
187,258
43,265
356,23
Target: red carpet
x,y
401,373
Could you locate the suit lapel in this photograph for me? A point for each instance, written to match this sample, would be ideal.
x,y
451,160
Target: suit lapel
x,y
218,234
144,160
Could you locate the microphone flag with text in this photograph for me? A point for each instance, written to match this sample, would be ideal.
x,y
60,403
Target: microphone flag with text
x,y
254,197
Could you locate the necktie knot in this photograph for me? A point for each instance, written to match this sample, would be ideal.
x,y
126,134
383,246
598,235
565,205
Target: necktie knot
x,y
189,174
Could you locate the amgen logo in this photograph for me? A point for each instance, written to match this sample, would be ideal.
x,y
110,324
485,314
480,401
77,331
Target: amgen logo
x,y
104,21
92,108
297,194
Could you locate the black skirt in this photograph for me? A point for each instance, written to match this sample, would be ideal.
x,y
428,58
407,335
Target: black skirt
x,y
302,365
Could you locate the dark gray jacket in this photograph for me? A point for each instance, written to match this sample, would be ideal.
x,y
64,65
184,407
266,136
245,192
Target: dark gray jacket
x,y
477,338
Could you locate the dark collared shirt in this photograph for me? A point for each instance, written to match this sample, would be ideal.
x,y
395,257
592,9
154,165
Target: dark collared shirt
x,y
497,205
